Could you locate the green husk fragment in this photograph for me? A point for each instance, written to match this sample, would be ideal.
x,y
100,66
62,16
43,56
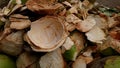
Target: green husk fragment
x,y
109,52
70,55
13,1
24,1
112,63
1,24
6,62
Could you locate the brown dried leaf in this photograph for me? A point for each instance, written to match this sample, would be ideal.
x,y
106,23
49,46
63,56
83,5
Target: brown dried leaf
x,y
115,33
111,22
73,9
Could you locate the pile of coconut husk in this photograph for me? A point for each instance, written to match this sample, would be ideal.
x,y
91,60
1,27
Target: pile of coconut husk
x,y
59,33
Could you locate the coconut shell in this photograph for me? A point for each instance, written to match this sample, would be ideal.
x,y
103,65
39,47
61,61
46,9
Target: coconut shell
x,y
51,33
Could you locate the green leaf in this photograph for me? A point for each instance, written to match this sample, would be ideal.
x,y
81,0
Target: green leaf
x,y
70,55
112,63
108,11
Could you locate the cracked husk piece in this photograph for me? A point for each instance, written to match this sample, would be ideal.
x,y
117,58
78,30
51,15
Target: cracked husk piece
x,y
19,22
25,60
12,44
44,6
52,59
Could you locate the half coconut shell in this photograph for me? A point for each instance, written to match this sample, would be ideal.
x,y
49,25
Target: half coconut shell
x,y
47,33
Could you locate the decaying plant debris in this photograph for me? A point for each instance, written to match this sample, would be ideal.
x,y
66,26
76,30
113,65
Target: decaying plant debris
x,y
59,33
44,7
